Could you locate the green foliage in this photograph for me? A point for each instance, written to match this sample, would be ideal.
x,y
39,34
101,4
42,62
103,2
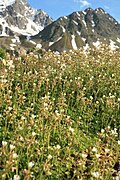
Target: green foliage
x,y
2,53
60,116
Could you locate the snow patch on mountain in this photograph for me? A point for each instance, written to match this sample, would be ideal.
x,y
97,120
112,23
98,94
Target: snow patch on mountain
x,y
75,22
78,14
84,23
63,29
65,17
83,39
32,42
84,12
86,47
15,40
96,44
118,40
5,3
79,33
51,43
3,26
93,24
29,29
38,46
73,42
112,45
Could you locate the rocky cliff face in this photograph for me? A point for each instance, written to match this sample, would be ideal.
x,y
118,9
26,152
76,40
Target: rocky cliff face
x,y
85,29
18,18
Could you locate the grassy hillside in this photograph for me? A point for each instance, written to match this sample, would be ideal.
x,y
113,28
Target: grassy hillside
x,y
60,116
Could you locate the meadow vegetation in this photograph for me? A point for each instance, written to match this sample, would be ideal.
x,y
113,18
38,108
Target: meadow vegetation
x,y
60,116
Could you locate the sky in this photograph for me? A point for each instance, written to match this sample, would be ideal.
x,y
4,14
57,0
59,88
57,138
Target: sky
x,y
58,8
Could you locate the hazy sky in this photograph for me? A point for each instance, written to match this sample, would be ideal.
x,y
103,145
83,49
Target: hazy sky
x,y
58,8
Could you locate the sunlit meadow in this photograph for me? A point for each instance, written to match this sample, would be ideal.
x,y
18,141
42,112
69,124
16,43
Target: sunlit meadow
x,y
60,116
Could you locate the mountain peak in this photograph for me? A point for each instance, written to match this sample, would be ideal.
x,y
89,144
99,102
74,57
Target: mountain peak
x,y
99,9
88,28
18,17
88,9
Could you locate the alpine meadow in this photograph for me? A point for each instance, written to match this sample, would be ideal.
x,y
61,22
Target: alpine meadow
x,y
59,90
60,115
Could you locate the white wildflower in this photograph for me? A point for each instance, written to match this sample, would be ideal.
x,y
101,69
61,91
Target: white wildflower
x,y
23,118
4,62
94,149
102,130
71,129
114,132
3,80
118,99
4,143
3,176
97,155
16,177
15,155
45,104
58,146
57,113
20,128
33,116
12,147
9,108
91,97
96,174
33,133
30,164
107,150
24,97
49,156
84,155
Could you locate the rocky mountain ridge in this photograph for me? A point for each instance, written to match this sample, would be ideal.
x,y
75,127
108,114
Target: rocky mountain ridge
x,y
18,18
88,28
23,26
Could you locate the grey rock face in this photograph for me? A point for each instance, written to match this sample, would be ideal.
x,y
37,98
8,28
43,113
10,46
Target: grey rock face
x,y
87,28
21,19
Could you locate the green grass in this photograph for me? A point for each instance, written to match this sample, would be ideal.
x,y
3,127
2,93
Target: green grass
x,y
60,116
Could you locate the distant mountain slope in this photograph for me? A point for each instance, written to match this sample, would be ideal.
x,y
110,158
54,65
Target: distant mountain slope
x,y
23,26
80,29
18,18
